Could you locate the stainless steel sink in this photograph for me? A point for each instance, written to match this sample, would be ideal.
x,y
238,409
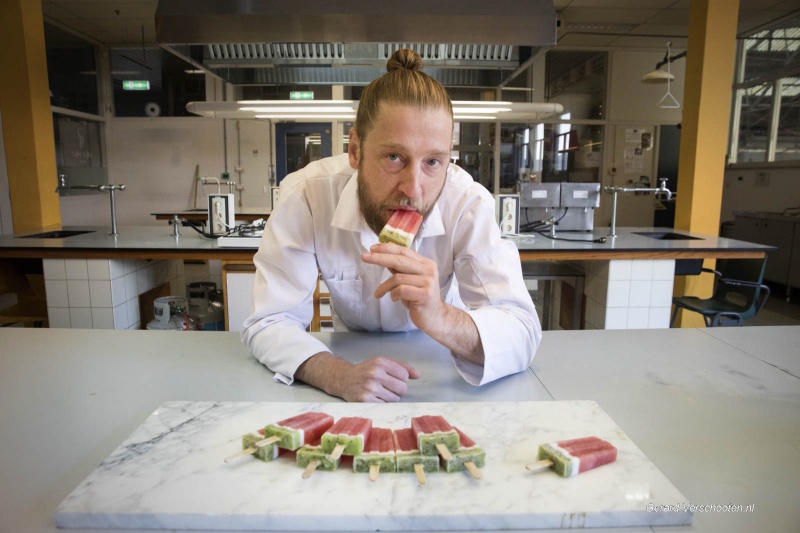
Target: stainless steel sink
x,y
58,234
666,236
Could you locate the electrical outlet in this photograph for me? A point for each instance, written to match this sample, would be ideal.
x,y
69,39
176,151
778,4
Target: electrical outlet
x,y
508,213
220,213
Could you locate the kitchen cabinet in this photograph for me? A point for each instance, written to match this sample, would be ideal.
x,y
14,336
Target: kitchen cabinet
x,y
238,278
777,233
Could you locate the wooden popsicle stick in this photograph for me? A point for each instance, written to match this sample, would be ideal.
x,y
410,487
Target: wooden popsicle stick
x,y
538,466
312,465
374,470
443,451
470,466
266,442
247,451
337,451
420,473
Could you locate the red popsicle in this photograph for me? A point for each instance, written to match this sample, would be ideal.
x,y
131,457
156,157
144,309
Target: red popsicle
x,y
401,228
575,456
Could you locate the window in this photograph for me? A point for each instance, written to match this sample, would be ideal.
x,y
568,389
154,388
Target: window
x,y
767,95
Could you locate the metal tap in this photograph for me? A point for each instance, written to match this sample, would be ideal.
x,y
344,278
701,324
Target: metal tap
x,y
661,189
62,186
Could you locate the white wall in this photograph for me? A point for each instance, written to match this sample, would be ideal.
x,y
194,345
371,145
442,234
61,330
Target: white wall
x,y
156,159
743,192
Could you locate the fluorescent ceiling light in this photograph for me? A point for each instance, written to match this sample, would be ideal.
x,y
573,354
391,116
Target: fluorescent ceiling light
x,y
284,109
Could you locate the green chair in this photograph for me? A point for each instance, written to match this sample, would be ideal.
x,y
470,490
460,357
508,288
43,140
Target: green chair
x,y
739,294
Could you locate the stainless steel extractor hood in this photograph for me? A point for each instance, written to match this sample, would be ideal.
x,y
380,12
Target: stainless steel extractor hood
x,y
466,43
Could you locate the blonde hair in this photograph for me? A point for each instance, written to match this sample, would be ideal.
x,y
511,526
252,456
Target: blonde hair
x,y
404,83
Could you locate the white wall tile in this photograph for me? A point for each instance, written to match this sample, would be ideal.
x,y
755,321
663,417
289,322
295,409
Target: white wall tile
x,y
173,268
600,316
142,284
98,269
619,269
80,317
616,318
214,267
78,293
129,265
131,290
180,267
54,269
640,293
638,318
102,318
116,268
56,293
619,293
100,293
132,307
119,293
664,269
601,290
142,263
642,269
659,317
58,317
661,295
76,269
121,320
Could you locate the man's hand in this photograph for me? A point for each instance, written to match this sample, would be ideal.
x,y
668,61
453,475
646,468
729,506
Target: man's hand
x,y
380,379
415,283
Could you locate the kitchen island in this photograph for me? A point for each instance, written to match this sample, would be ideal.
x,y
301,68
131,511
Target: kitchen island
x,y
628,279
706,406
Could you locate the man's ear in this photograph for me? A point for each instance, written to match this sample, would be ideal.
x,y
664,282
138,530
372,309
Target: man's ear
x,y
353,149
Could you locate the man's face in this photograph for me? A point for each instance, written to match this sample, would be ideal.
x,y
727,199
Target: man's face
x,y
403,162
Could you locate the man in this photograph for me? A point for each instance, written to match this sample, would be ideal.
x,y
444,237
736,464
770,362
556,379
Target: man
x,y
459,282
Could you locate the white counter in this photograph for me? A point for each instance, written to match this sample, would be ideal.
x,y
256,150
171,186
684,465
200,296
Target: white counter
x,y
717,411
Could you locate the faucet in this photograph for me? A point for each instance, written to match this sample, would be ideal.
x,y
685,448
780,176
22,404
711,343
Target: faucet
x,y
661,189
62,185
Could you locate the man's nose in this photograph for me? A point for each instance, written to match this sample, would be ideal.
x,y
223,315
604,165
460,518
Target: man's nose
x,y
411,182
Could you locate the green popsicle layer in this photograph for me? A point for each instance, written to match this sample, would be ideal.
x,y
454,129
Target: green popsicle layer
x,y
406,462
265,453
306,454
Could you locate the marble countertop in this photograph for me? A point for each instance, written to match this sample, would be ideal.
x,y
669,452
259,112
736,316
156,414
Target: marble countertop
x,y
158,241
705,406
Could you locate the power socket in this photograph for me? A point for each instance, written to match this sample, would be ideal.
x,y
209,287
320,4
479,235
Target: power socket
x,y
507,210
220,213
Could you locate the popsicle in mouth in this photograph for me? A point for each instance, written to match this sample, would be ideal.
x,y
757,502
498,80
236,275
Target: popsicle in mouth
x,y
311,457
298,430
265,449
575,456
347,436
408,457
469,456
435,436
401,228
378,456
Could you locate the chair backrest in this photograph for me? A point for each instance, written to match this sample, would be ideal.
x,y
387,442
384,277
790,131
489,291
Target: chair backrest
x,y
748,298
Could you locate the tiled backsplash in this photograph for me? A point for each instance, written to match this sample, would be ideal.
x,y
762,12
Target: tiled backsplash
x,y
104,293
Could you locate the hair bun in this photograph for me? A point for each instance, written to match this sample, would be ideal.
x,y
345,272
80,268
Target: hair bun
x,y
404,59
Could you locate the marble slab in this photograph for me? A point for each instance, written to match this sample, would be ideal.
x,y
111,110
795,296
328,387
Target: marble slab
x,y
170,474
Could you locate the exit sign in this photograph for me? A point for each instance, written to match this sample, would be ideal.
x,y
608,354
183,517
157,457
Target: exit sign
x,y
135,85
301,95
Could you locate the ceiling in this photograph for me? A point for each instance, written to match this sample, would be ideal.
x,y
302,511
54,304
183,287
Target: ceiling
x,y
645,24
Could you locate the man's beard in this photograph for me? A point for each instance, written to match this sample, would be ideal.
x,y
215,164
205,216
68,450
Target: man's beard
x,y
373,211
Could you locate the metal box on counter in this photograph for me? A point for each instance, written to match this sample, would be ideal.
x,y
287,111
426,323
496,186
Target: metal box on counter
x,y
570,204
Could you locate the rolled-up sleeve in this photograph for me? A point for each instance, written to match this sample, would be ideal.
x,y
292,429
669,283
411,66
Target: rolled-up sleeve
x,y
286,275
491,286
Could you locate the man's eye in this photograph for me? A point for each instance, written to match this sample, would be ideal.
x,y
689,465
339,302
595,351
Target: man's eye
x,y
393,157
433,162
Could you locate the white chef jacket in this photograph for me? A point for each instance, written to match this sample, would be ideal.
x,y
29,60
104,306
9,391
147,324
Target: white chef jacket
x,y
317,227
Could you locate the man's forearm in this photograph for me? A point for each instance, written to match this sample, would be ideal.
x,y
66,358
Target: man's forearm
x,y
324,371
457,331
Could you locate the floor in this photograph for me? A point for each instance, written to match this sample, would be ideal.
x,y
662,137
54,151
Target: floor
x,y
777,311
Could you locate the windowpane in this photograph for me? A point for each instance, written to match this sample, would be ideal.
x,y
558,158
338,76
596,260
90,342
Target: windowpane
x,y
788,142
71,71
168,83
772,51
754,121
